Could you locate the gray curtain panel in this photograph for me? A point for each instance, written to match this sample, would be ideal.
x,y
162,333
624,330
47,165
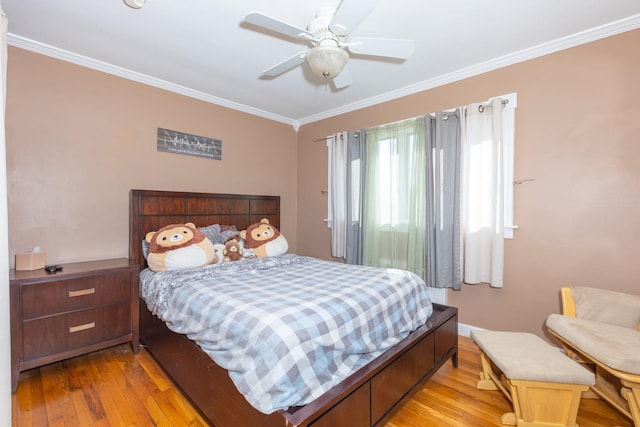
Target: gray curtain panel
x,y
443,201
355,195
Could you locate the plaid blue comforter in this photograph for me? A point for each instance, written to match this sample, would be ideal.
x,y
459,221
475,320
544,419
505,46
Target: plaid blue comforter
x,y
288,328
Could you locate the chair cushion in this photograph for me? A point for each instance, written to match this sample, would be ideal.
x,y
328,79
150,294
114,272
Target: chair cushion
x,y
527,357
603,305
615,346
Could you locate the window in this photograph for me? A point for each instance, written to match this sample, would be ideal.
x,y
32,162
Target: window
x,y
430,192
396,168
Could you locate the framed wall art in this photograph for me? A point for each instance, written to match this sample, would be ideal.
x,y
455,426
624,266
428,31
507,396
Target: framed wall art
x,y
171,141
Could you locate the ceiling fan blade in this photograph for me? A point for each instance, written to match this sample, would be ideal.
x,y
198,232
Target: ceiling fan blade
x,y
285,65
390,48
349,14
273,24
343,79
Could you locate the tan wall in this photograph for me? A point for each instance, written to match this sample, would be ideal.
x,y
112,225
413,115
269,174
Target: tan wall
x,y
78,140
577,135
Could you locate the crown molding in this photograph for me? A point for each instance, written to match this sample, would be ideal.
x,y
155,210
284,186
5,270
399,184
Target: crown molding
x,y
617,27
593,34
84,61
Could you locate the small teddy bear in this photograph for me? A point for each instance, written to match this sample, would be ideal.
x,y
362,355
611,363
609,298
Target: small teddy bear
x,y
232,249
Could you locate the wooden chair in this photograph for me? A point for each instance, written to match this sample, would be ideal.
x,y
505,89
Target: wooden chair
x,y
601,329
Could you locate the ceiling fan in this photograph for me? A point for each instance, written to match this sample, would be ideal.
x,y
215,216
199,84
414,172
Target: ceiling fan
x,y
328,36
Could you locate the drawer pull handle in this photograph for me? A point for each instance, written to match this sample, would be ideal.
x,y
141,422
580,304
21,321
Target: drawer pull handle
x,y
82,292
79,328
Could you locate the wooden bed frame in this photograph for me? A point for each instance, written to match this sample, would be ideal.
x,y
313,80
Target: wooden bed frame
x,y
369,397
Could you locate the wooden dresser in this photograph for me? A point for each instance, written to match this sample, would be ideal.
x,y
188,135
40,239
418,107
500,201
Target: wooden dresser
x,y
85,307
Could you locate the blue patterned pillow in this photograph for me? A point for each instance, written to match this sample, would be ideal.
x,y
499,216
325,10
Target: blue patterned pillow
x,y
218,234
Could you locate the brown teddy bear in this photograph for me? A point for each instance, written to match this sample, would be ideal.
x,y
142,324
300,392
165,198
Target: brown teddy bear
x,y
232,249
178,247
264,240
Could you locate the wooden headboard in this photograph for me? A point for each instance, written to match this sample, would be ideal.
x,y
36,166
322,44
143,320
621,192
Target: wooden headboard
x,y
150,210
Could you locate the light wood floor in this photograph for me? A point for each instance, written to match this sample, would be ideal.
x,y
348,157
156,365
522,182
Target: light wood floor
x,y
113,387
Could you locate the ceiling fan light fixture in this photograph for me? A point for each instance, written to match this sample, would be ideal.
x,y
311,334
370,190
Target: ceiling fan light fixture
x,y
327,61
135,4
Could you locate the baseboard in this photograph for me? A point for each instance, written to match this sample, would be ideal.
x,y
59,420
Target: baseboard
x,y
465,330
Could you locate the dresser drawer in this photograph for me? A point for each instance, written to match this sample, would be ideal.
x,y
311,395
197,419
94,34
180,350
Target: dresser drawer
x,y
56,334
45,299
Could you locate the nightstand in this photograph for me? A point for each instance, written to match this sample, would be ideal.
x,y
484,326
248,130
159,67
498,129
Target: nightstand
x,y
85,307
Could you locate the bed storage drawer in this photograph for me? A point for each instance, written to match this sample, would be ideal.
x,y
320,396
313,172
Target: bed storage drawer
x,y
446,338
353,411
390,385
60,333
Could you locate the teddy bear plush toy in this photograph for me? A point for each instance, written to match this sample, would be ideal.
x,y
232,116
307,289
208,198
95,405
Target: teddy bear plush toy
x,y
178,247
232,249
264,240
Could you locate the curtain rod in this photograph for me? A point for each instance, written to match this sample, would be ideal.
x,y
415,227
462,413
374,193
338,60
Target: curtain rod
x,y
327,137
480,108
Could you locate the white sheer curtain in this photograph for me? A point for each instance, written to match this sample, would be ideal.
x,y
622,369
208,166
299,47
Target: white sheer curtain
x,y
337,181
483,193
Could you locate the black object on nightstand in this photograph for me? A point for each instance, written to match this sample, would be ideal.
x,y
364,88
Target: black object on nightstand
x,y
51,269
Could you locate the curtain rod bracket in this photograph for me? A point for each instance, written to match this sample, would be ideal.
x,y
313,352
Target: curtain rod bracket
x,y
522,181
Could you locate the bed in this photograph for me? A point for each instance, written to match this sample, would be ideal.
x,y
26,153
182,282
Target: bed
x,y
368,397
